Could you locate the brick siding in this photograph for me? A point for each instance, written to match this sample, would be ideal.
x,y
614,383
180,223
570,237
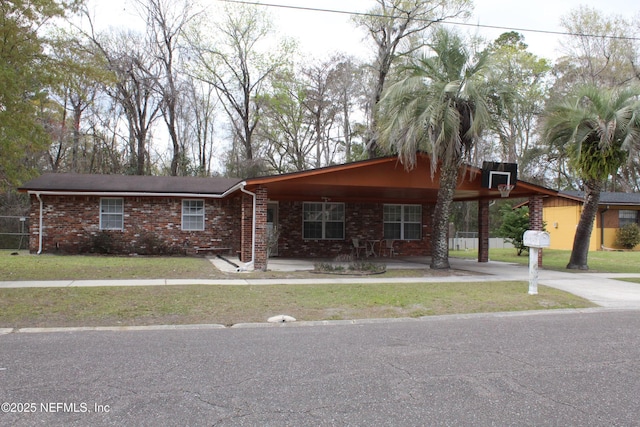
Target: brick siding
x,y
362,221
72,224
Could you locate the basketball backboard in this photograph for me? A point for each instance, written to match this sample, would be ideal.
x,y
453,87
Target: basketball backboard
x,y
495,174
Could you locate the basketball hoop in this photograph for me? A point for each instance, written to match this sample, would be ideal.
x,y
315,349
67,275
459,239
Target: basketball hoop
x,y
505,189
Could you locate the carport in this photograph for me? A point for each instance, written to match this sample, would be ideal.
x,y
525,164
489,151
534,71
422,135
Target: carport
x,y
361,192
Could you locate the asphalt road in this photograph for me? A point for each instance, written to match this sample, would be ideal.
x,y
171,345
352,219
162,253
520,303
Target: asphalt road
x,y
578,369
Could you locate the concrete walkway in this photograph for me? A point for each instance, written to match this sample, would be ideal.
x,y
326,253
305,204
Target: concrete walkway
x,y
600,288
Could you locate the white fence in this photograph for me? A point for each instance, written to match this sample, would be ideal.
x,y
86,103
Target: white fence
x,y
462,243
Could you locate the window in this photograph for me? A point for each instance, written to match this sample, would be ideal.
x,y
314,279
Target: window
x,y
323,221
627,217
193,215
111,214
402,222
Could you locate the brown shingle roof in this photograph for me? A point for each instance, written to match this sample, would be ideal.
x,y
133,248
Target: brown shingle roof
x,y
609,197
67,182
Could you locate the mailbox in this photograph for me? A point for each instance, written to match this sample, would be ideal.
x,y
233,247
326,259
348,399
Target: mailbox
x,y
536,239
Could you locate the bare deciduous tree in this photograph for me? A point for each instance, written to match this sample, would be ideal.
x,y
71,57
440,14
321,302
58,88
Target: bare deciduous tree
x,y
397,27
239,64
166,21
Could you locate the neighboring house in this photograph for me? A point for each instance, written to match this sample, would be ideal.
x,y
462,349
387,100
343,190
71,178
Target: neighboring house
x,y
317,213
615,210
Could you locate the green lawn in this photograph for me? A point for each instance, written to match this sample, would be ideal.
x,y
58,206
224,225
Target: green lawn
x,y
25,266
631,279
598,261
108,306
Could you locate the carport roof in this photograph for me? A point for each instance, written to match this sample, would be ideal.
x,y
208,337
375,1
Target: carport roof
x,y
385,179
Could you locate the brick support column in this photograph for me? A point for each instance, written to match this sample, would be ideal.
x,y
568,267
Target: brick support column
x,y
483,231
260,263
535,219
246,228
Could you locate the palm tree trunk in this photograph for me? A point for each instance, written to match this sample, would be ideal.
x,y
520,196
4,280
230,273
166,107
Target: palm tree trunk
x,y
582,240
441,214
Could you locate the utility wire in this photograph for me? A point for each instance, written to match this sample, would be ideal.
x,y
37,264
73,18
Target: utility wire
x,y
375,15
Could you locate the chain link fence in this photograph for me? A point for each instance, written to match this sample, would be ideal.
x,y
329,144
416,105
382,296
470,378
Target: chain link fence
x,y
14,232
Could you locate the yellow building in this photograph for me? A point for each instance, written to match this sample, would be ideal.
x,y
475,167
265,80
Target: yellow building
x,y
562,214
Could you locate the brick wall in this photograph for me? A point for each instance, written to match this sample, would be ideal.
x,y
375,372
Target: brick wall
x,y
363,221
72,225
535,212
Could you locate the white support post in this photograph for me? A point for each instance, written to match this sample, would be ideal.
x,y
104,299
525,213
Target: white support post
x,y
535,240
533,270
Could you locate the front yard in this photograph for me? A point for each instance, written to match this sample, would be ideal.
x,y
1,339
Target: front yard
x,y
153,305
109,306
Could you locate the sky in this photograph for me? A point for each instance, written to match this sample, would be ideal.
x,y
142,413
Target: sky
x,y
328,32
321,33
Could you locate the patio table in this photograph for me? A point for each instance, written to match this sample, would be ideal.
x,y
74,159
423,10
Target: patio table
x,y
371,247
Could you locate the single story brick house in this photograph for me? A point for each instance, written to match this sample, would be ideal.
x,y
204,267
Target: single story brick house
x,y
315,213
562,214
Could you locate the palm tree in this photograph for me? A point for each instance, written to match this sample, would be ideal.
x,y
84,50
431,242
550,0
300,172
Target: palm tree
x,y
440,106
598,129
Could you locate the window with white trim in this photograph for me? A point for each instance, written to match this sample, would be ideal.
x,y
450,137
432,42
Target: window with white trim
x,y
626,217
111,214
402,222
193,215
323,220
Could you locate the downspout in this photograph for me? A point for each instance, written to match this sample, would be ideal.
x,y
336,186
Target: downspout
x,y
40,226
602,226
249,265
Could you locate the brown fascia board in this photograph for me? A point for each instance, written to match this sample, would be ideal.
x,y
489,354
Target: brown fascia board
x,y
468,170
318,171
345,166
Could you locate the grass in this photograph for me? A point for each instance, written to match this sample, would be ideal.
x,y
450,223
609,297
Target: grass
x,y
107,306
553,259
631,279
25,266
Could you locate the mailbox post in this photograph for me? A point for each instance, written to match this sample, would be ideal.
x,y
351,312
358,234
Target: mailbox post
x,y
535,240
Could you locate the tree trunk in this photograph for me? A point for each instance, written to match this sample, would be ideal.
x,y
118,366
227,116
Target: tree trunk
x,y
441,214
582,239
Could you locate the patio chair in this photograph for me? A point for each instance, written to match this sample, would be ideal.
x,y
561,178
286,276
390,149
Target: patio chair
x,y
357,245
388,244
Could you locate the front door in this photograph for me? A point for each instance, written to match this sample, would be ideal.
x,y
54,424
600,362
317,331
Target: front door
x,y
272,228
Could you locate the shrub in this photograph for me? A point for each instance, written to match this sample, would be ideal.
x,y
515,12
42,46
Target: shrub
x,y
346,263
514,223
149,244
369,267
103,243
628,236
328,267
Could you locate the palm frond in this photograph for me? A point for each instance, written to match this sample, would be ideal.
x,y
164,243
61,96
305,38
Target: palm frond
x,y
597,127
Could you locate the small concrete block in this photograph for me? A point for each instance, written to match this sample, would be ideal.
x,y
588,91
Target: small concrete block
x,y
282,318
